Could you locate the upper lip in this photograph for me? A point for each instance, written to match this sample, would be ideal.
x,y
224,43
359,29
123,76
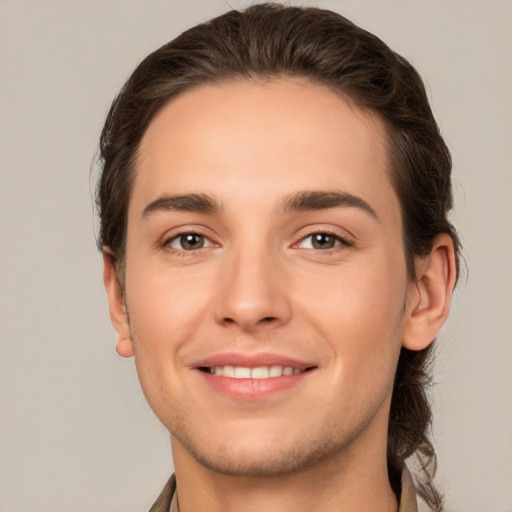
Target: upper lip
x,y
252,361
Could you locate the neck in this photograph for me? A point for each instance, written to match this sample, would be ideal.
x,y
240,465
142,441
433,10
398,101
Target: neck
x,y
344,482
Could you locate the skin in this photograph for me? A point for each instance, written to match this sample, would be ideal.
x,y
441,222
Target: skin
x,y
258,284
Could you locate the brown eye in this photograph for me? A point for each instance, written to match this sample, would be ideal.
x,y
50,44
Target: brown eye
x,y
323,241
188,242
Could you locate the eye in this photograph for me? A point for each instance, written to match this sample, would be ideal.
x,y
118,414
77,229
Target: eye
x,y
321,241
188,242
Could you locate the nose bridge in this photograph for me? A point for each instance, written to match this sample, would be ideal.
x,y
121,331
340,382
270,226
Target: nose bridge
x,y
252,292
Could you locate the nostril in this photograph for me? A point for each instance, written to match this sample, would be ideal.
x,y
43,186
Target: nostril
x,y
265,319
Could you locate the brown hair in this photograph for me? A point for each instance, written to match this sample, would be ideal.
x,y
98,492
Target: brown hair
x,y
267,41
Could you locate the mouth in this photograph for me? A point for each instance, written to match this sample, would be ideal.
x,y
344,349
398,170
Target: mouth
x,y
256,373
253,376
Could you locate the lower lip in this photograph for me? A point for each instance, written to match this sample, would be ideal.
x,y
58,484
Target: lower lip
x,y
253,389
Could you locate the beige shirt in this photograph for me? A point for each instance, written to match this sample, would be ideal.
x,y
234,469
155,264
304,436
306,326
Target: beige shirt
x,y
168,499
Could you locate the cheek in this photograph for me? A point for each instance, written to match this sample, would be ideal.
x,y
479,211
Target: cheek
x,y
361,299
165,305
164,312
360,313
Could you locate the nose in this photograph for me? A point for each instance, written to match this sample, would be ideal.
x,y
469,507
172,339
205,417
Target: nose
x,y
253,291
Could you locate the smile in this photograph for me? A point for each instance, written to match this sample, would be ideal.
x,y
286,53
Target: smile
x,y
252,377
259,372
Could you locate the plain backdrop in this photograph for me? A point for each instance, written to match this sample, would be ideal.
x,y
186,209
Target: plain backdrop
x,y
75,432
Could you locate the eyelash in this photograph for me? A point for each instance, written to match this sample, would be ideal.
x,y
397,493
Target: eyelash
x,y
186,252
340,242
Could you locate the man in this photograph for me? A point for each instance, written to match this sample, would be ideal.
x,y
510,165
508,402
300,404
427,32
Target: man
x,y
278,259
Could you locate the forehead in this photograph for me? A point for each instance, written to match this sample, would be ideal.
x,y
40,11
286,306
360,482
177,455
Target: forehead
x,y
261,139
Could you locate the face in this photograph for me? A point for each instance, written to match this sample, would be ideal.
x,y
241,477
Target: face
x,y
265,280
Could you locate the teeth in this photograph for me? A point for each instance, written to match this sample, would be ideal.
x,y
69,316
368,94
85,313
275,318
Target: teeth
x,y
227,371
275,371
259,372
242,373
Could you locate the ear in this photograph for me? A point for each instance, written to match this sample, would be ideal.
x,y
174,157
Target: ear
x,y
118,314
429,298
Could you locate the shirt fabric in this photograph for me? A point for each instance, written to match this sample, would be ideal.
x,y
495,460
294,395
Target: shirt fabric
x,y
168,499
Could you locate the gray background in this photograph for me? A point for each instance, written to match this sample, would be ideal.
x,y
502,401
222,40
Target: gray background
x,y
75,432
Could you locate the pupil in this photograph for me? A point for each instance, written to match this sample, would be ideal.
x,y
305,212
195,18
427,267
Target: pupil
x,y
323,241
192,241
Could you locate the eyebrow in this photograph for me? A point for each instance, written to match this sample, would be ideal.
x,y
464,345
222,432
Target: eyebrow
x,y
301,201
321,200
183,203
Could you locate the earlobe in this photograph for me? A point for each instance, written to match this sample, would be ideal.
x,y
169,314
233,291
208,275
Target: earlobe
x,y
118,314
124,347
430,295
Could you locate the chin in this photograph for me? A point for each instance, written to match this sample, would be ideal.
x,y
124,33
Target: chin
x,y
261,465
267,459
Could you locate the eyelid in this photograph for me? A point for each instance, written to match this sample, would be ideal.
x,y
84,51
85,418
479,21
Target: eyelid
x,y
346,239
206,242
339,244
177,232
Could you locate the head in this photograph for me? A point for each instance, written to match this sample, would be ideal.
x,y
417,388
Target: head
x,y
269,44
